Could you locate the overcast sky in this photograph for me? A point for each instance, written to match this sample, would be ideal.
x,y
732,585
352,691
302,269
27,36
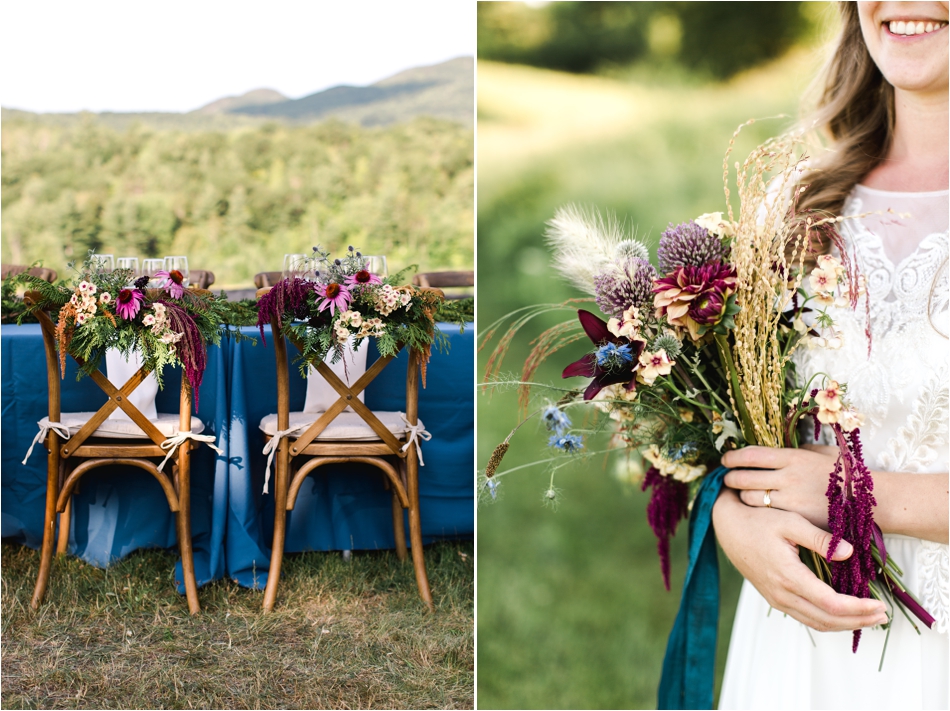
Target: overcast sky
x,y
177,55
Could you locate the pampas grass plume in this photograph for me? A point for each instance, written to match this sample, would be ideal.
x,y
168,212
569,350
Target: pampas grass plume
x,y
583,243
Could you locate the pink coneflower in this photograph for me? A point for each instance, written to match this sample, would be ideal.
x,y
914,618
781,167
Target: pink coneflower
x,y
335,296
363,277
128,303
174,282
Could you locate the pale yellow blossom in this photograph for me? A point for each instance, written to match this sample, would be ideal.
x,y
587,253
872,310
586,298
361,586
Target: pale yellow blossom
x,y
653,365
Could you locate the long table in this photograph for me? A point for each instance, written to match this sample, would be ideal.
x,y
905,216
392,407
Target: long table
x,y
119,509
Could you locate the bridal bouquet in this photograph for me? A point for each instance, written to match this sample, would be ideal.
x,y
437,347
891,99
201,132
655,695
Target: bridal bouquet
x,y
99,310
342,300
693,355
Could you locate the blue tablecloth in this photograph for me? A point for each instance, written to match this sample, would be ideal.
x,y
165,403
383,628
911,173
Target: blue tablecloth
x,y
118,510
347,507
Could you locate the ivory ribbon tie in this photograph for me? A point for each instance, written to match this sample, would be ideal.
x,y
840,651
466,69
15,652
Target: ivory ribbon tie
x,y
171,444
271,447
416,432
57,427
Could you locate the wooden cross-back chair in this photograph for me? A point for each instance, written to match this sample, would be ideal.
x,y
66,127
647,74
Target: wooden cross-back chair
x,y
70,458
263,280
447,280
394,455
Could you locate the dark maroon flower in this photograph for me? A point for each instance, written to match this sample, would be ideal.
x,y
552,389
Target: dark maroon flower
x,y
707,308
691,292
669,501
587,367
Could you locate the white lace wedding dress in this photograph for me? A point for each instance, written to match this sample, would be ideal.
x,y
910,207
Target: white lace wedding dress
x,y
902,389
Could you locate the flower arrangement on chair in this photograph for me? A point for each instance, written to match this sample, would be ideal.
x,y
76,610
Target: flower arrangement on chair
x,y
97,311
341,301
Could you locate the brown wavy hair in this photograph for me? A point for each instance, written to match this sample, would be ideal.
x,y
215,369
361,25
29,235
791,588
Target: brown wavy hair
x,y
854,114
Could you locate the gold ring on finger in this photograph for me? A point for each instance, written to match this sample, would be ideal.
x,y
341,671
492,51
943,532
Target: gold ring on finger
x,y
767,499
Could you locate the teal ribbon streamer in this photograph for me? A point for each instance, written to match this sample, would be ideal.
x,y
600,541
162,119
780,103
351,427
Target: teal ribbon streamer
x,y
690,662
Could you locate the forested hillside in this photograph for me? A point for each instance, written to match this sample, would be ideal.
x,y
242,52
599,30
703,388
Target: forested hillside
x,y
235,201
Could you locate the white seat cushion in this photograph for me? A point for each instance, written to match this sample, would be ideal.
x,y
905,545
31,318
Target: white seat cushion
x,y
347,426
167,424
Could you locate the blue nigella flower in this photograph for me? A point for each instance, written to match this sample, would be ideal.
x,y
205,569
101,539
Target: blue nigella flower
x,y
566,442
556,420
610,356
492,488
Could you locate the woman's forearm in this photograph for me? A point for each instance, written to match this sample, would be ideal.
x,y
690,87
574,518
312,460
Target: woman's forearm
x,y
915,505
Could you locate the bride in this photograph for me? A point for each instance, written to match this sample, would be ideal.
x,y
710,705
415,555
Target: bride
x,y
885,106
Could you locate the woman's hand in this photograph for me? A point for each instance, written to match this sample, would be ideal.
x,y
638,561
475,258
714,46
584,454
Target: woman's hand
x,y
796,479
763,545
910,504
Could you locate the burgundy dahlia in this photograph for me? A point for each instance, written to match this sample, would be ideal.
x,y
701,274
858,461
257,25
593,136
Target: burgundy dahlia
x,y
611,373
689,245
669,501
691,297
624,284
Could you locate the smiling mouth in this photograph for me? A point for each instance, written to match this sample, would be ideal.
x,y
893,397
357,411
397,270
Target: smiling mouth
x,y
912,28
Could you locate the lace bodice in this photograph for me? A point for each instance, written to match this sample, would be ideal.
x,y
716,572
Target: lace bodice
x,y
901,387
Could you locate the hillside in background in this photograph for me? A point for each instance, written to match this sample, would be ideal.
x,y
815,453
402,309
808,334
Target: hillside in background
x,y
442,91
236,201
257,97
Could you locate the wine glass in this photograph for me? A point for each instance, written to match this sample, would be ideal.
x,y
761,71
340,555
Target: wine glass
x,y
130,263
376,264
296,265
149,267
102,263
181,264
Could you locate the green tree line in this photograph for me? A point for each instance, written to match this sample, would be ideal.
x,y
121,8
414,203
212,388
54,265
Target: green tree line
x,y
236,201
712,39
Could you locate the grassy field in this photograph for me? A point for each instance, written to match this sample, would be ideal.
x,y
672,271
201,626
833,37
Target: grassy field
x,y
343,635
571,608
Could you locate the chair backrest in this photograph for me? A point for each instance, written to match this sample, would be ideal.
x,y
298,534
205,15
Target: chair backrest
x,y
9,270
263,280
118,397
201,278
348,394
444,279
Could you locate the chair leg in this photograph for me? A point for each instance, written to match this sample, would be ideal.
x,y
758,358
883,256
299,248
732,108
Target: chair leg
x,y
415,529
49,523
280,525
399,528
64,522
184,528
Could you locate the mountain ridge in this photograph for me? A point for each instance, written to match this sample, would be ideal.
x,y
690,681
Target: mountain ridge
x,y
443,91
